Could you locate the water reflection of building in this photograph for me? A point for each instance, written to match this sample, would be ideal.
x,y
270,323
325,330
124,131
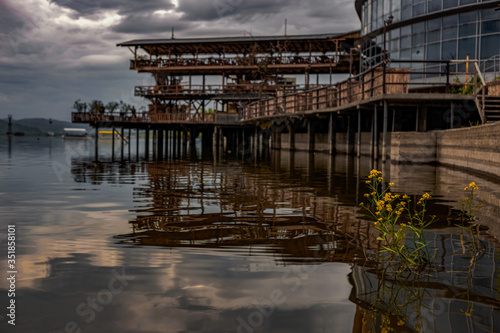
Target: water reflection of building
x,y
212,205
302,208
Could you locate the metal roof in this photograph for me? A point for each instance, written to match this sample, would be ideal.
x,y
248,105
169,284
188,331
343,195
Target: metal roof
x,y
243,44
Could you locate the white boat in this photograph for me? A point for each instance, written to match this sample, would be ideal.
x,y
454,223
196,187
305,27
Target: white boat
x,y
75,134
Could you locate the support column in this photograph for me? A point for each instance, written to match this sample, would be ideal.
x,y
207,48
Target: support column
x,y
112,144
179,142
452,115
256,143
137,143
384,133
332,135
184,142
350,135
310,135
174,143
146,145
160,144
291,137
122,136
276,139
129,142
154,144
192,141
167,141
96,144
422,119
375,133
358,150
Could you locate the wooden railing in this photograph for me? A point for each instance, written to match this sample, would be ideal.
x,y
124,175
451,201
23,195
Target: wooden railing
x,y
89,118
242,61
180,118
213,90
390,78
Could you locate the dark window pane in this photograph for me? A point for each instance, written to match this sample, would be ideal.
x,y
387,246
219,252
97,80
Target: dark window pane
x,y
405,42
418,27
450,3
467,30
433,52
435,5
465,2
449,33
405,54
418,9
406,13
489,27
489,14
396,5
490,46
394,44
418,39
450,20
449,50
434,24
467,17
466,46
433,36
405,31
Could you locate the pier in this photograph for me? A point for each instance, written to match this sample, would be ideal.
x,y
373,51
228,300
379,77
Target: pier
x,y
241,96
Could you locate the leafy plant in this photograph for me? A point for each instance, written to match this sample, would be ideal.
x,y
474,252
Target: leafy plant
x,y
401,228
460,88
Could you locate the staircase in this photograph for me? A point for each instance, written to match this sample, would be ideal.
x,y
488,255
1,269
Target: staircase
x,y
491,108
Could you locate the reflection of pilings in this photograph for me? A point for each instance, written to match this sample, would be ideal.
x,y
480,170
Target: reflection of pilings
x,y
122,137
9,139
96,145
129,142
112,144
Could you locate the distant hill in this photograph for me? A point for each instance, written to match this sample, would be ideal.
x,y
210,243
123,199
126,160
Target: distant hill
x,y
38,126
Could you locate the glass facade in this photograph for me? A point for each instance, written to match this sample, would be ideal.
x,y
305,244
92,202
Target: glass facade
x,y
449,36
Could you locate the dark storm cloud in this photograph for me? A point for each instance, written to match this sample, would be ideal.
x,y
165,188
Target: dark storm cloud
x,y
194,10
149,23
124,7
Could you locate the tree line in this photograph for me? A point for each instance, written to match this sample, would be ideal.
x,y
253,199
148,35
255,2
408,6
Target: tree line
x,y
97,106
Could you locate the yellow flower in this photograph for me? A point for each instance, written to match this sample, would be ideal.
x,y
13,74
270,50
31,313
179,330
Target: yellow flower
x,y
473,186
401,322
405,197
367,195
391,184
380,179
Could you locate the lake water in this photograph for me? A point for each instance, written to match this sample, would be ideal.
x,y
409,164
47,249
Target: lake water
x,y
215,244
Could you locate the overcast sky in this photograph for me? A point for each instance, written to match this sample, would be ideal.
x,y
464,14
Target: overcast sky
x,y
54,52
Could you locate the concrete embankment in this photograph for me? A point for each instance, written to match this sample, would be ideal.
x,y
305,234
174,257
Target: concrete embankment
x,y
475,149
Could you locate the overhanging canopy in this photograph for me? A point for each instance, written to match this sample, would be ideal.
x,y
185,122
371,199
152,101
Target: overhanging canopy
x,y
246,45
